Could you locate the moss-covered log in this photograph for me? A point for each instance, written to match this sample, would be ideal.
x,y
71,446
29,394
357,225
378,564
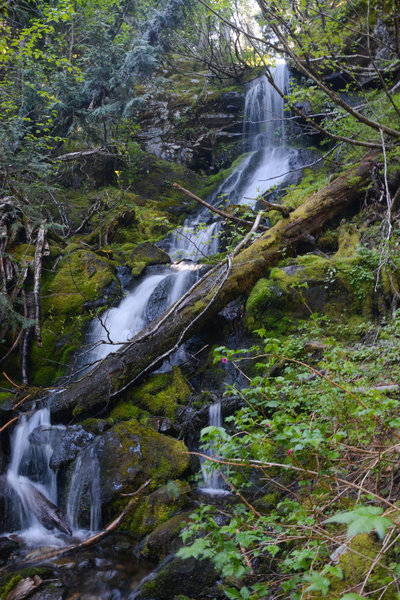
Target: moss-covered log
x,y
222,284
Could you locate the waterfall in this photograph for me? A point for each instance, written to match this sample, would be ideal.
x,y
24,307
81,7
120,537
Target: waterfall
x,y
268,158
84,491
213,482
35,483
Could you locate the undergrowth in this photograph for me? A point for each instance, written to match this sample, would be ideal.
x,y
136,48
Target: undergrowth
x,y
313,458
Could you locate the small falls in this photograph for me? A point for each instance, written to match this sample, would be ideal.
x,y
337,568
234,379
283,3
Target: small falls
x,y
34,482
213,481
30,477
84,492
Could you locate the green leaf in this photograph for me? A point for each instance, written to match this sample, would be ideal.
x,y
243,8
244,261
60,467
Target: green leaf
x,y
318,583
363,519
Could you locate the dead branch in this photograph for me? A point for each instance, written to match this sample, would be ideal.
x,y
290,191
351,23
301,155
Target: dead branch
x,y
219,212
82,153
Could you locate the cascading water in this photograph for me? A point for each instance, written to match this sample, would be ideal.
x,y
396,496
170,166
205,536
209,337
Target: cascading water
x,y
34,482
85,483
267,160
213,481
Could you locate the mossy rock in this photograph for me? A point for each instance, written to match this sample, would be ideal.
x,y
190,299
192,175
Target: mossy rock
x,y
355,563
165,538
126,411
339,286
10,580
161,394
180,577
157,508
147,254
81,279
131,453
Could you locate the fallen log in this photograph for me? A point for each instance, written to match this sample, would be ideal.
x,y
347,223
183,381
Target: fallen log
x,y
47,513
97,537
228,280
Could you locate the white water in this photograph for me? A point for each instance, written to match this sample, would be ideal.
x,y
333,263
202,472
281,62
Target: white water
x,y
213,481
267,160
30,468
85,479
264,166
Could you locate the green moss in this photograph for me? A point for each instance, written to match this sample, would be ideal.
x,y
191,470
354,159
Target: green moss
x,y
146,254
162,393
157,508
10,580
355,564
5,397
311,182
124,411
268,502
165,537
134,453
337,286
81,277
265,305
11,583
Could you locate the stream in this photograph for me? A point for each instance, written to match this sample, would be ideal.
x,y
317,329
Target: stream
x,y
36,444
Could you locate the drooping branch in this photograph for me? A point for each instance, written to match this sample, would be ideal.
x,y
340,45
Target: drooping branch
x,y
218,211
209,295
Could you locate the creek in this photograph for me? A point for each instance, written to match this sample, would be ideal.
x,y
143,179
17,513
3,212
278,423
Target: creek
x,y
33,483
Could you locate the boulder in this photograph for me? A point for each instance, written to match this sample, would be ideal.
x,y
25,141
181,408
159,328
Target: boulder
x,y
165,539
190,577
129,454
158,507
65,442
147,254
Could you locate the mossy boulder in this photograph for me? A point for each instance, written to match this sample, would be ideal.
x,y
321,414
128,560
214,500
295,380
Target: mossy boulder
x,y
181,577
80,278
157,508
67,297
165,538
355,562
342,284
147,254
161,394
131,453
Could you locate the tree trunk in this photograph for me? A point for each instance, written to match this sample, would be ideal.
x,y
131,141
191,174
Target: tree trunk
x,y
220,285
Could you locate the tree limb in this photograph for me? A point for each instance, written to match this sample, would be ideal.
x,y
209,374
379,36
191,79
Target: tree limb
x,y
219,212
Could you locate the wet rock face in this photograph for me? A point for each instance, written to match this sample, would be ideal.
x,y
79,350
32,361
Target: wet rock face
x,y
9,520
194,135
66,442
7,547
128,455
